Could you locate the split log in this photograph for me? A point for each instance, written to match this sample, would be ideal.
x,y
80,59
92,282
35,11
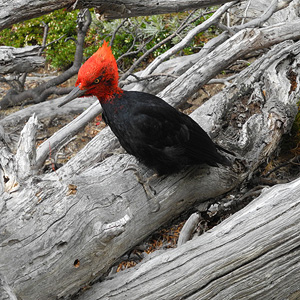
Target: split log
x,y
254,254
65,229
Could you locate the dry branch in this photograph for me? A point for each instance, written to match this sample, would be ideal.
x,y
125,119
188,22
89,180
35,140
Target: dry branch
x,y
234,48
20,60
188,38
14,12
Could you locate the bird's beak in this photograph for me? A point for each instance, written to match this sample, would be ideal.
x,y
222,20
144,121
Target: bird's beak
x,y
75,93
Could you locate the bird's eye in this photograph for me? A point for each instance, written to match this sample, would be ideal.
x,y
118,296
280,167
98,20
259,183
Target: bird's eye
x,y
97,80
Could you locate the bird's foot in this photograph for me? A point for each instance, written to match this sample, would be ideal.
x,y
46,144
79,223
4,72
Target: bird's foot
x,y
149,190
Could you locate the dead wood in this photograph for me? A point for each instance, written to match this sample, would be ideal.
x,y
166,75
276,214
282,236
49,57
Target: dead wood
x,y
89,210
190,81
14,12
20,60
254,254
63,230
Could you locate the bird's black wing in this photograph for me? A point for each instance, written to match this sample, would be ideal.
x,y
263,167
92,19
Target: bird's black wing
x,y
173,134
159,135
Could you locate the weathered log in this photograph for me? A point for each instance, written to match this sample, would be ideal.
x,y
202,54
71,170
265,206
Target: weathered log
x,y
45,110
184,87
231,50
14,12
254,254
85,220
66,228
289,10
20,60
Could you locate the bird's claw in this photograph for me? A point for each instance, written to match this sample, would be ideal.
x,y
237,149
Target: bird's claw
x,y
149,190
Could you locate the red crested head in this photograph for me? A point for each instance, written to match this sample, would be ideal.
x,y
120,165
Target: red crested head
x,y
99,74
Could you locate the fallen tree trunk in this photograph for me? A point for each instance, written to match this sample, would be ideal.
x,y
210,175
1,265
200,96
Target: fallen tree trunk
x,y
254,254
11,12
67,228
20,60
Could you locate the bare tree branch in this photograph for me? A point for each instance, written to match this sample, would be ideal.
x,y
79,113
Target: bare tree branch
x,y
41,92
14,12
182,26
184,42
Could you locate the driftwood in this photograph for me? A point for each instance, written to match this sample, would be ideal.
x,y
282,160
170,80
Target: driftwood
x,y
65,229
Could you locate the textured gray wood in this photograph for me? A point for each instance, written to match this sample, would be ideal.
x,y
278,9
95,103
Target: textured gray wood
x,y
12,12
254,254
107,214
90,211
20,60
240,44
62,230
289,10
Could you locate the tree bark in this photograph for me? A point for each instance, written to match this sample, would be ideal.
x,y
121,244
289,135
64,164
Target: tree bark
x,y
20,60
65,229
14,12
254,254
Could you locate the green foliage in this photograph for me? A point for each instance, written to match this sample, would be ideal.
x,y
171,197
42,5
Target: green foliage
x,y
60,54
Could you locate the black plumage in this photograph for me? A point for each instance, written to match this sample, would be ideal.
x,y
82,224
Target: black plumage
x,y
161,137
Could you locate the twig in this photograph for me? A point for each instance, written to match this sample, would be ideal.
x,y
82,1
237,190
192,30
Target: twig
x,y
128,53
55,41
294,160
188,38
245,12
170,37
116,30
45,35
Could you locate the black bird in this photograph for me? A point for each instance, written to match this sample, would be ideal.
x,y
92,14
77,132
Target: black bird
x,y
158,135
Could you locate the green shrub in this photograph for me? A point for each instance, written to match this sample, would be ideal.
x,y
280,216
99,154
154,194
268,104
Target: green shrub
x,y
60,54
